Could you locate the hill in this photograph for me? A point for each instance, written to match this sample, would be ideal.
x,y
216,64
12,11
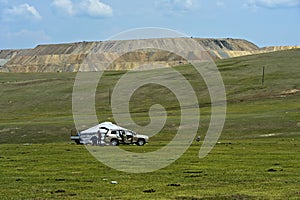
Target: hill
x,y
34,102
68,57
257,156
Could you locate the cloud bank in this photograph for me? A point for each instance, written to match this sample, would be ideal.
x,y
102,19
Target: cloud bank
x,y
92,8
175,5
274,3
64,5
23,10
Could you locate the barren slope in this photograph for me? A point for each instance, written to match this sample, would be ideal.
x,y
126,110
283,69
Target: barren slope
x,y
69,57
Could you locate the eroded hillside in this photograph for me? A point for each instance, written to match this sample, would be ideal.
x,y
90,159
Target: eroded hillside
x,y
69,57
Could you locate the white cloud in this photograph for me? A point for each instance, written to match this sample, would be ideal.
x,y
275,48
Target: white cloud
x,y
175,5
274,3
188,4
23,10
95,8
92,8
64,5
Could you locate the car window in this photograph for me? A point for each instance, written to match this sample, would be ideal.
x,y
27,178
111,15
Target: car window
x,y
129,133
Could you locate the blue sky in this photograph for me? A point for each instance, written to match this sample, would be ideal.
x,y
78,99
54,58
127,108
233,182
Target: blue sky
x,y
27,23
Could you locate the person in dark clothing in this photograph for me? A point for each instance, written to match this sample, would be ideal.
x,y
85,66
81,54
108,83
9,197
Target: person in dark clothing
x,y
94,140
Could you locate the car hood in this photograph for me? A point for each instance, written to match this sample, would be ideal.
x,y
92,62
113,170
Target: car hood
x,y
142,136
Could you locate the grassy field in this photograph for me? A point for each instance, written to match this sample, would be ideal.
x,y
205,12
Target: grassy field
x,y
257,157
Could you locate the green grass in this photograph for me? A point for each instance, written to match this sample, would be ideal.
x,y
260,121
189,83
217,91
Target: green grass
x,y
235,169
261,133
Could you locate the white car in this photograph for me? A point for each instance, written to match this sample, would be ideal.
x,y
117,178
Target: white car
x,y
108,133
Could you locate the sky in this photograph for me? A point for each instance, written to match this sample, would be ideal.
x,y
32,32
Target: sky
x,y
28,23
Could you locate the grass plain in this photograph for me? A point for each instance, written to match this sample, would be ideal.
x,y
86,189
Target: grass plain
x,y
257,156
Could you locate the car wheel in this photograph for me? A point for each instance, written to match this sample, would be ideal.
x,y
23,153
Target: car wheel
x,y
140,142
114,142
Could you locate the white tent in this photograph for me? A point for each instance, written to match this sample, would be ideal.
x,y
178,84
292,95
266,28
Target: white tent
x,y
86,135
107,125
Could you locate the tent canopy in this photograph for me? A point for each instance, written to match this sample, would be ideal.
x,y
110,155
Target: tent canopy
x,y
107,125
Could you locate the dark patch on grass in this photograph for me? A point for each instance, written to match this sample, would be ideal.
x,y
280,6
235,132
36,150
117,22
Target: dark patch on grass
x,y
22,153
149,191
239,197
188,198
226,197
272,170
58,191
224,143
193,176
18,179
60,179
174,185
88,181
193,172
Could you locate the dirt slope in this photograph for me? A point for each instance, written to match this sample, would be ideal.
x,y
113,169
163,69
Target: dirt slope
x,y
69,57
